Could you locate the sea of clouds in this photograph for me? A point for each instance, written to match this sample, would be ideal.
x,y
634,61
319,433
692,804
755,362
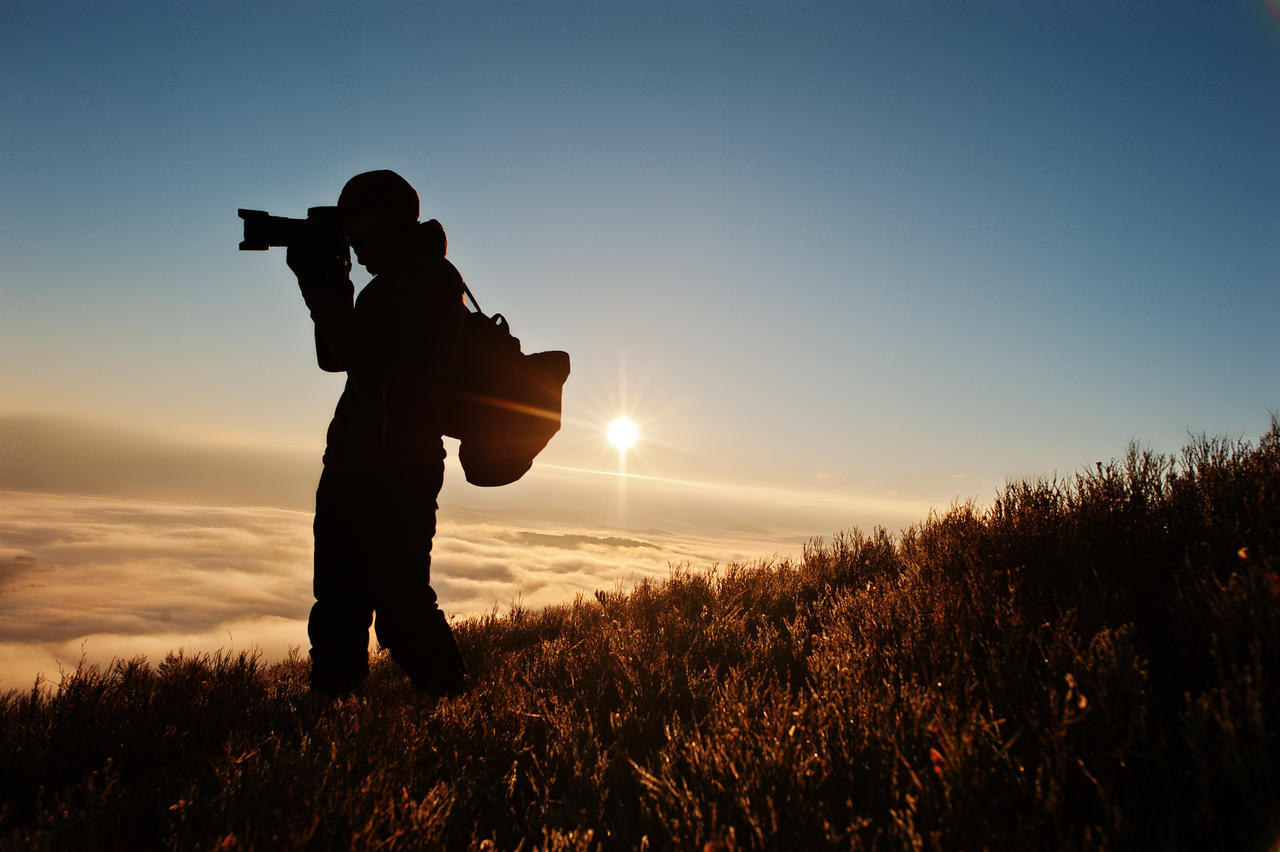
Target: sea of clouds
x,y
101,578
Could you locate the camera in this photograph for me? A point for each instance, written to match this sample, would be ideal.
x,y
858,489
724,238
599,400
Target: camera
x,y
322,227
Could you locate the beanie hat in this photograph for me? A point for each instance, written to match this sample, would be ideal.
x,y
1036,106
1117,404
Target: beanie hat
x,y
382,194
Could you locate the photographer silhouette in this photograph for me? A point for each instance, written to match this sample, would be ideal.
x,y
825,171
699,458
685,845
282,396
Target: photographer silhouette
x,y
398,342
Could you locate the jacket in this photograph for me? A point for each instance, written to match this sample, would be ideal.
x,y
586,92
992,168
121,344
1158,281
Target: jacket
x,y
399,342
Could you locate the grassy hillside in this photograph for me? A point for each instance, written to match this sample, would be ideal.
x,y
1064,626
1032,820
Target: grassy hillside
x,y
1092,663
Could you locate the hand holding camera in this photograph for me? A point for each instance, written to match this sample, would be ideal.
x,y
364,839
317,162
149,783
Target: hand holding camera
x,y
318,261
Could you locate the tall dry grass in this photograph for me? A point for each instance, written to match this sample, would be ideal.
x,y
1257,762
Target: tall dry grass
x,y
1088,663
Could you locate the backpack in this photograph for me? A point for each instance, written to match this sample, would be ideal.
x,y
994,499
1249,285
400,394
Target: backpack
x,y
503,405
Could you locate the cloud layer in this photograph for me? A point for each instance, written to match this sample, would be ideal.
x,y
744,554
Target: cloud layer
x,y
111,577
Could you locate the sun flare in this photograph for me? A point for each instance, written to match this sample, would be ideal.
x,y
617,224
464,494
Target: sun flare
x,y
623,433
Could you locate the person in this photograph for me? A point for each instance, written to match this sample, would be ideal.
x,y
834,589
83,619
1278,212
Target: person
x,y
398,341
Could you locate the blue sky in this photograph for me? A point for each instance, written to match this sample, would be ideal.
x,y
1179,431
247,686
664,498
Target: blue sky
x,y
902,249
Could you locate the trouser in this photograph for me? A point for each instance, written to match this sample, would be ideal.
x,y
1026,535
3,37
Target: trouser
x,y
373,531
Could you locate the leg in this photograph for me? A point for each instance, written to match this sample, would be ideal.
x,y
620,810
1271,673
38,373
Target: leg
x,y
339,623
410,624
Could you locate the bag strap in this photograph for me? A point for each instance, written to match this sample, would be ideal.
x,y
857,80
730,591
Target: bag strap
x,y
472,297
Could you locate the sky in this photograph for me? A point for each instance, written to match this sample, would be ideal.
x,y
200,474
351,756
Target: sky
x,y
841,262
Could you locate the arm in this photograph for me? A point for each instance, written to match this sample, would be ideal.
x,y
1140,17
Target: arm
x,y
334,316
327,289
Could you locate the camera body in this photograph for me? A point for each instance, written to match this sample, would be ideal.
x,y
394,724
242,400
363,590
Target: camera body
x,y
322,228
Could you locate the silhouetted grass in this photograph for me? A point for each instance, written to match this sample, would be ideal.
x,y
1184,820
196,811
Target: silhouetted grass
x,y
1088,663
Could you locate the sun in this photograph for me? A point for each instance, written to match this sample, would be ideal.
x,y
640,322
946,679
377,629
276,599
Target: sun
x,y
623,433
